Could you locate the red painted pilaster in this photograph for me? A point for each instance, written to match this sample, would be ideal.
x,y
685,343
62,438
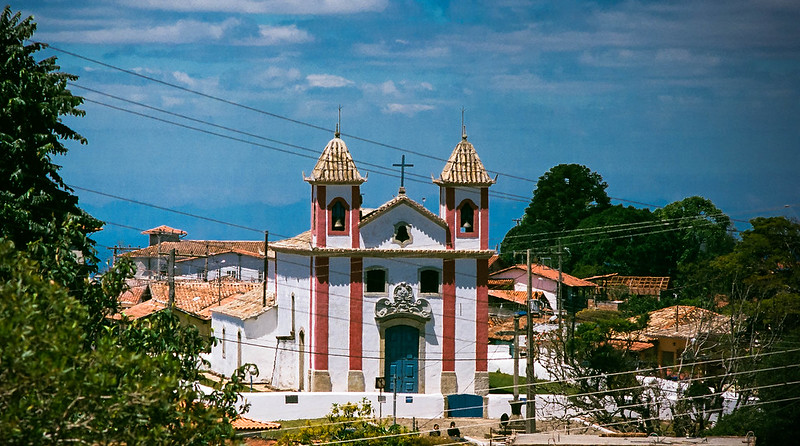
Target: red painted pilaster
x,y
355,216
482,316
484,218
321,287
321,225
449,315
356,312
450,216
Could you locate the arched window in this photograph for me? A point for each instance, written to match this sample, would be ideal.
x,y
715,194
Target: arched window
x,y
338,216
223,342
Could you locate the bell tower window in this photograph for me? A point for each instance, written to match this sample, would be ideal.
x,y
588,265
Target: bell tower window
x,y
402,234
338,216
466,219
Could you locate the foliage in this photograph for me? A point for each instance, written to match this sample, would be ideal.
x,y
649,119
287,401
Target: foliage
x,y
351,422
54,390
68,373
625,244
564,196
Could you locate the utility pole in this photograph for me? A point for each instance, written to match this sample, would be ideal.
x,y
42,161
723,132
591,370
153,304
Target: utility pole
x,y
171,275
530,406
516,357
560,299
266,270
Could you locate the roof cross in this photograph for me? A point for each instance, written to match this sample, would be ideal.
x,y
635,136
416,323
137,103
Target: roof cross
x,y
402,167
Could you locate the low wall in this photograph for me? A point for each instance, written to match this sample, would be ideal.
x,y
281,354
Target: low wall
x,y
276,406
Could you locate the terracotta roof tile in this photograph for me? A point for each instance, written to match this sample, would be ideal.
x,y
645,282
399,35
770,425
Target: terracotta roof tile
x,y
199,248
164,229
132,296
241,423
464,167
638,285
247,305
552,274
519,297
335,166
198,298
143,309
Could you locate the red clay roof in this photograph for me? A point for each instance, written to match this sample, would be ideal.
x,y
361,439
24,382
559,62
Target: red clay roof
x,y
519,297
133,296
164,229
396,201
335,165
197,298
550,273
464,167
143,309
198,248
241,423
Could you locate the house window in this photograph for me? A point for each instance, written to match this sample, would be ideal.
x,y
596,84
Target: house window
x,y
375,280
338,216
402,234
429,281
231,274
223,343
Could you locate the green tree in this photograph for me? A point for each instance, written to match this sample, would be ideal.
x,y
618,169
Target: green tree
x,y
619,239
68,374
564,196
136,385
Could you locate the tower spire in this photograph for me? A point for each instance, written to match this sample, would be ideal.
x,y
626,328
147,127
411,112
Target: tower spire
x,y
339,122
463,126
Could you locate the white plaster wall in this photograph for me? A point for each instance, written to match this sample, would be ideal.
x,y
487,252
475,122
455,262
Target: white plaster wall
x,y
224,365
258,343
339,322
292,277
465,343
248,272
425,233
474,194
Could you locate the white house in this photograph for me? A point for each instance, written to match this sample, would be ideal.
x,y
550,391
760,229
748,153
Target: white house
x,y
544,280
397,292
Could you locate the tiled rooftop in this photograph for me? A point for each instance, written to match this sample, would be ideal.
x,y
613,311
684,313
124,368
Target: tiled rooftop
x,y
396,201
198,248
164,229
550,273
335,165
241,423
247,305
196,298
464,167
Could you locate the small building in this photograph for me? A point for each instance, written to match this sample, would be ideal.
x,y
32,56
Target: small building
x,y
670,330
545,281
613,289
203,260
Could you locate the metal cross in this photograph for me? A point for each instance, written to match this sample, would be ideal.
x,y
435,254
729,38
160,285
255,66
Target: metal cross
x,y
402,167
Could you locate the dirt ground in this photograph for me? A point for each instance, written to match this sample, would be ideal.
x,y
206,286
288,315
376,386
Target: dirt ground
x,y
477,428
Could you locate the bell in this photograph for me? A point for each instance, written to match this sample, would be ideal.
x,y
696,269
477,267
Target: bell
x,y
338,225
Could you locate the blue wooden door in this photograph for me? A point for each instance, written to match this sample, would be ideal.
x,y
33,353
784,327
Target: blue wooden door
x,y
402,358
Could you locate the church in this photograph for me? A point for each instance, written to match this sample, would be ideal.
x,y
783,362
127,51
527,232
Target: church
x,y
396,292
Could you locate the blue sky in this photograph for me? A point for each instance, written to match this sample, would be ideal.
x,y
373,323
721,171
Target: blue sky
x,y
664,99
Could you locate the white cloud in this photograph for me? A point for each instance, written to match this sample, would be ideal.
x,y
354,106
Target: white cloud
x,y
327,81
406,109
274,35
182,31
265,6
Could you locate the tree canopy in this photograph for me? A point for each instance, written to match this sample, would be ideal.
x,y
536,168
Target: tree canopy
x,y
69,373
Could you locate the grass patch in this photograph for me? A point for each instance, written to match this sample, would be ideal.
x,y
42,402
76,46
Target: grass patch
x,y
503,383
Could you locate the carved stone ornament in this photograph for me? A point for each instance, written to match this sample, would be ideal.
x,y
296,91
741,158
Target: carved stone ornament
x,y
404,305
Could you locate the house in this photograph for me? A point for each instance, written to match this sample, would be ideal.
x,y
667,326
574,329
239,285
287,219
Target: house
x,y
203,260
544,280
670,331
193,302
397,292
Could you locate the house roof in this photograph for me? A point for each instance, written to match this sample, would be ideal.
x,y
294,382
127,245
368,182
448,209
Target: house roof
x,y
502,328
550,273
519,297
132,296
335,165
200,248
143,309
678,321
247,305
501,283
401,198
464,167
241,423
197,298
164,229
638,285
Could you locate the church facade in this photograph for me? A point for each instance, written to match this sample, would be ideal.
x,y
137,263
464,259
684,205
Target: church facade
x,y
398,292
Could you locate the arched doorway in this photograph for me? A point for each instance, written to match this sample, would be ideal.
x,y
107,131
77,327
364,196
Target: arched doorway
x,y
401,363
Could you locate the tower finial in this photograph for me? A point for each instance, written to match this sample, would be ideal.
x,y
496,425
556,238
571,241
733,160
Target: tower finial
x,y
463,126
339,122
